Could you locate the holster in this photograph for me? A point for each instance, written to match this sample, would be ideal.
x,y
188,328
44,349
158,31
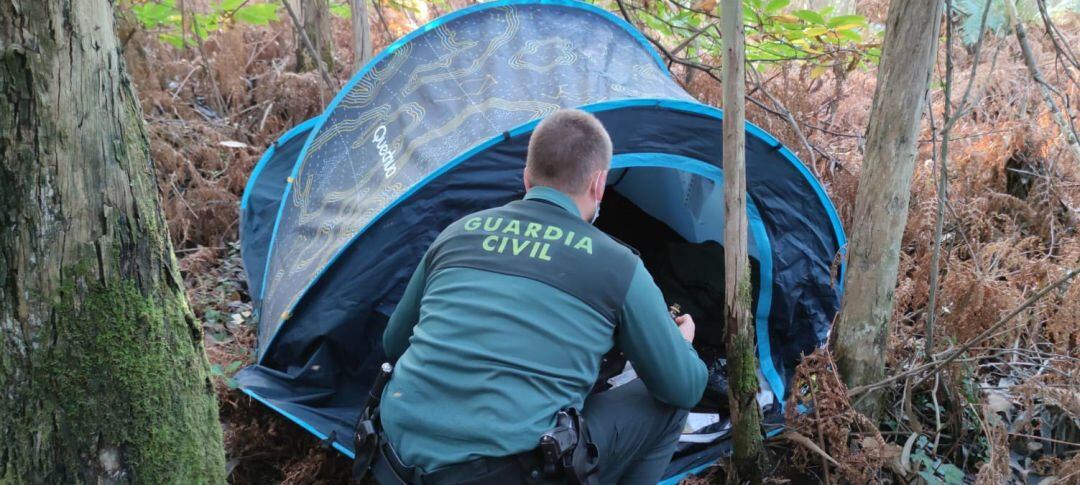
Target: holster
x,y
367,432
568,450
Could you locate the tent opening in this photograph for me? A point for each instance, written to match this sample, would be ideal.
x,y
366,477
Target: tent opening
x,y
673,218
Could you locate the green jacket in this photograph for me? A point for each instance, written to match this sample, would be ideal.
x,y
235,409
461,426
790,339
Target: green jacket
x,y
484,359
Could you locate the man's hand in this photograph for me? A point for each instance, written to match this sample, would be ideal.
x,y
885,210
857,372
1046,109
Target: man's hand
x,y
686,326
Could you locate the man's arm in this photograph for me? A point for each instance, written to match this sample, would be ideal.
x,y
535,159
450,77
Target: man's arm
x,y
666,362
406,315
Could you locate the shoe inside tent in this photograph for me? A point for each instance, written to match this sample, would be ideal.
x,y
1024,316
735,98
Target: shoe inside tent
x,y
339,210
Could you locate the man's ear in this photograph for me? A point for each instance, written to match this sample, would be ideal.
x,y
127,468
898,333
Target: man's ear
x,y
525,179
601,184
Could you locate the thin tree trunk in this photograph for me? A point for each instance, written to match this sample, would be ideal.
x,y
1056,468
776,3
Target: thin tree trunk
x,y
102,372
315,14
361,21
881,204
742,361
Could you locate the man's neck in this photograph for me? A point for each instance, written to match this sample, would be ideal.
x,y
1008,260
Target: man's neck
x,y
586,206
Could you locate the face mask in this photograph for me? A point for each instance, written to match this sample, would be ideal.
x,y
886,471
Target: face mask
x,y
596,213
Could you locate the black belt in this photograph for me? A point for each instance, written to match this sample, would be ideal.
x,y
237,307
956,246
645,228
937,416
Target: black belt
x,y
523,468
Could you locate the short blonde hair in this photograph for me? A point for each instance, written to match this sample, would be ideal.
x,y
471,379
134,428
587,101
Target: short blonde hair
x,y
566,148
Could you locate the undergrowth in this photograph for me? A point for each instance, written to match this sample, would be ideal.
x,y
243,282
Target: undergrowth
x,y
1008,408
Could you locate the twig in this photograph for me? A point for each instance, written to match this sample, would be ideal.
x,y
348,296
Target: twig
x,y
1062,48
308,46
820,434
382,19
786,114
951,355
180,87
708,70
1044,87
219,100
799,439
943,161
266,112
677,49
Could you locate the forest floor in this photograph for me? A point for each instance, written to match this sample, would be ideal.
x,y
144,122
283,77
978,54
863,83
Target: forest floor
x,y
1010,407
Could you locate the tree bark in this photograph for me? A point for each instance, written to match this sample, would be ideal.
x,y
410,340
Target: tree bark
x,y
102,372
361,22
315,14
742,361
881,204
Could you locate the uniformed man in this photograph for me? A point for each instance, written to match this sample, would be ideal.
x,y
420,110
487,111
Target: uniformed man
x,y
506,319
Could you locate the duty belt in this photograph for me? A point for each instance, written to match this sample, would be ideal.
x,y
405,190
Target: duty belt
x,y
565,453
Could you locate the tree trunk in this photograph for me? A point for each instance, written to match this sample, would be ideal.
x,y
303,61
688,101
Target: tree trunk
x,y
102,372
881,204
742,361
361,25
315,14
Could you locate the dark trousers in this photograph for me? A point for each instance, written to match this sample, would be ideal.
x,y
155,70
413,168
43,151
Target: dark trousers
x,y
635,434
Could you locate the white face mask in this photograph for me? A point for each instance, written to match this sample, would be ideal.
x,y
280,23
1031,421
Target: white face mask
x,y
596,213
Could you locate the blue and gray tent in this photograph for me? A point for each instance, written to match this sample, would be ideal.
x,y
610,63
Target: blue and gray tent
x,y
339,211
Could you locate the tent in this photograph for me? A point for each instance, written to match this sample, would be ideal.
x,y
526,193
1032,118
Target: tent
x,y
339,210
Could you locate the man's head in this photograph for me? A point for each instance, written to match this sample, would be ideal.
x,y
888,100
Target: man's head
x,y
570,151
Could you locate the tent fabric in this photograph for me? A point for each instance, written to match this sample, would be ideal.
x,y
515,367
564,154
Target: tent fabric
x,y
262,196
341,209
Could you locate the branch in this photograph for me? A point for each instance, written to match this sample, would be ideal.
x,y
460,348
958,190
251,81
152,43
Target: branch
x,y
1044,87
310,48
799,439
943,160
1063,48
950,356
786,114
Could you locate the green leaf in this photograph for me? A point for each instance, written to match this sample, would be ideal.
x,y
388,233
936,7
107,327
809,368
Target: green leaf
x,y
810,16
257,14
776,5
850,35
839,20
952,474
229,5
173,40
233,366
153,14
816,31
930,478
341,10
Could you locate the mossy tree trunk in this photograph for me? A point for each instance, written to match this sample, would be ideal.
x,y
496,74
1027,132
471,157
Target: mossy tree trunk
x,y
102,372
742,361
881,203
315,15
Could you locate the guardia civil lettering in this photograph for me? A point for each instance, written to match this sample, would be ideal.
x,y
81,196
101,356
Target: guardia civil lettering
x,y
525,238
